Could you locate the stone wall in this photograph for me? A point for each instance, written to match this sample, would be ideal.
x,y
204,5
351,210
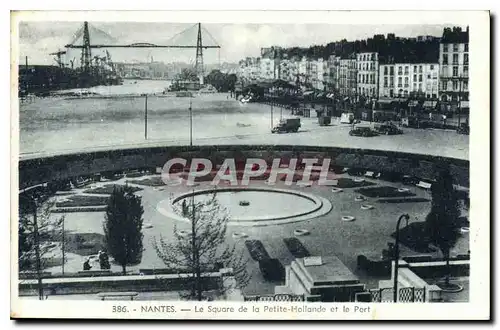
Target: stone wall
x,y
34,171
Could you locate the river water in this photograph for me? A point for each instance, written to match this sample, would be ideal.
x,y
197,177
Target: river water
x,y
58,124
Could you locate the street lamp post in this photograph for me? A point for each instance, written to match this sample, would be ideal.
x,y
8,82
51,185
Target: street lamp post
x,y
190,122
63,247
271,110
145,116
396,255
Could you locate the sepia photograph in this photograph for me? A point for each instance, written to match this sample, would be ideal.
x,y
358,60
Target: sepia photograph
x,y
180,162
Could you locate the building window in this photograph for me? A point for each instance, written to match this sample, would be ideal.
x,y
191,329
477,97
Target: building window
x,y
465,85
407,70
432,67
455,58
445,48
406,82
391,81
466,48
420,78
455,48
391,93
414,86
434,96
415,68
466,59
414,77
400,70
385,70
444,85
455,71
419,87
445,58
420,68
466,69
391,71
400,82
455,85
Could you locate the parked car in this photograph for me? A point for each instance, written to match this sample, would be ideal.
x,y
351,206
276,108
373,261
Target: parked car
x,y
463,129
388,129
363,131
287,125
347,118
414,122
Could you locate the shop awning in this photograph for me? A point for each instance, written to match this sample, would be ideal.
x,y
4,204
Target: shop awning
x,y
413,103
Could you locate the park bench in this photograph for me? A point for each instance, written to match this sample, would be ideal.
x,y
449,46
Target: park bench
x,y
95,272
424,185
104,295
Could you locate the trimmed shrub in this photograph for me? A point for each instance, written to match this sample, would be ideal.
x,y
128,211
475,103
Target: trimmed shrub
x,y
272,269
296,248
257,250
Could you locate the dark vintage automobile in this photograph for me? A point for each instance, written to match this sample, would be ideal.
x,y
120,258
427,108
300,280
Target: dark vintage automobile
x,y
415,122
363,131
463,129
388,129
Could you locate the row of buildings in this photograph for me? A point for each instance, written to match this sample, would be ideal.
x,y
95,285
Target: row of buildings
x,y
372,75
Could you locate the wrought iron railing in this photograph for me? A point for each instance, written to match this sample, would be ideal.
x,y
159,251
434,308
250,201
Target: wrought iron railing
x,y
275,297
406,295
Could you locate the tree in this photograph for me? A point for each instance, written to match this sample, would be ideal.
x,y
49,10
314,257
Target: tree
x,y
221,81
187,75
442,218
203,249
36,226
123,227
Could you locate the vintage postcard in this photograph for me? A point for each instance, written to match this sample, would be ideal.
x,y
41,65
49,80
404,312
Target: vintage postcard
x,y
250,165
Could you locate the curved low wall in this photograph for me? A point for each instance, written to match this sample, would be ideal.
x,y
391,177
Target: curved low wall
x,y
40,170
321,206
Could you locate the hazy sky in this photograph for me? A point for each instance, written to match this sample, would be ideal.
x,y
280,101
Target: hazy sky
x,y
38,39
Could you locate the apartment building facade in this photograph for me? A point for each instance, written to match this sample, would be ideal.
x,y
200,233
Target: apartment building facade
x,y
402,80
332,73
454,68
368,81
348,72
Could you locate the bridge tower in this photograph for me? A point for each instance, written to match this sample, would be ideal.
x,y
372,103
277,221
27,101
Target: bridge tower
x,y
86,52
199,56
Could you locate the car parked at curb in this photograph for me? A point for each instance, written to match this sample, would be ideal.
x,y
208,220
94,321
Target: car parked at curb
x,y
388,129
363,131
